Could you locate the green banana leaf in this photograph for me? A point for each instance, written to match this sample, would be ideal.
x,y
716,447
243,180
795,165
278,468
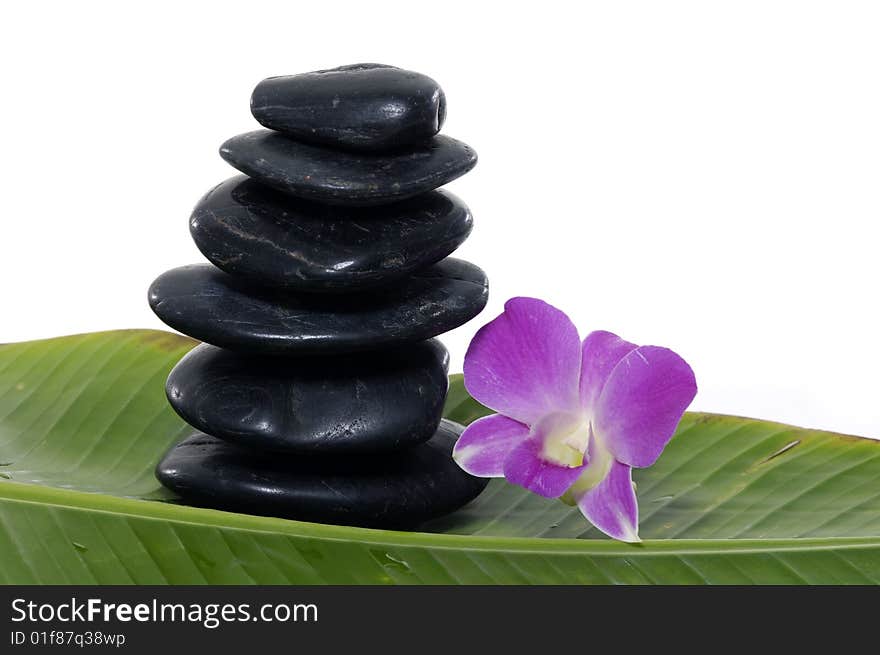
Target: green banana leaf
x,y
83,420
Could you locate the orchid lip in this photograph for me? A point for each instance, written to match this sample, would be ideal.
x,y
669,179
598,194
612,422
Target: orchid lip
x,y
565,439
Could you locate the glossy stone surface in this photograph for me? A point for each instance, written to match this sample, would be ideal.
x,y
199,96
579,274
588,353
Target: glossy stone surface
x,y
391,490
354,403
362,106
212,306
336,177
269,237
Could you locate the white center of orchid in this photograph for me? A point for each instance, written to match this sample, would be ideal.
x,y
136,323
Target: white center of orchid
x,y
565,439
600,464
569,440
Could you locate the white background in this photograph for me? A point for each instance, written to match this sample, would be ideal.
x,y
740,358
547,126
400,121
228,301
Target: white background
x,y
700,175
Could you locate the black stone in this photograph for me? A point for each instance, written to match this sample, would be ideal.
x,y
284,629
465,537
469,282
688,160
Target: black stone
x,y
347,178
273,239
352,403
212,306
362,106
393,490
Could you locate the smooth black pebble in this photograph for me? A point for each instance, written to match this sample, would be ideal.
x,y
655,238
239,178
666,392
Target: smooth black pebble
x,y
212,306
255,232
353,403
347,178
394,490
360,106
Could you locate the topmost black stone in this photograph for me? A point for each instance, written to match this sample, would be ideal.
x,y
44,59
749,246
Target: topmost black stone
x,y
362,106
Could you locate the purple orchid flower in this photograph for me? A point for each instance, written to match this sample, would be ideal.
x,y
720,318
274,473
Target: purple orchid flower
x,y
573,417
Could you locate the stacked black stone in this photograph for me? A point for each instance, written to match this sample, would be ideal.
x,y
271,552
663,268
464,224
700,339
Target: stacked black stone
x,y
319,390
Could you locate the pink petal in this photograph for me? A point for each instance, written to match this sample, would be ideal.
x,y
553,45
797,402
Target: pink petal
x,y
528,466
601,353
525,363
486,443
642,403
611,505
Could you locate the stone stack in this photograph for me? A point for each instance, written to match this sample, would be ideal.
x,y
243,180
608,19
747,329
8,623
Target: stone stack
x,y
319,390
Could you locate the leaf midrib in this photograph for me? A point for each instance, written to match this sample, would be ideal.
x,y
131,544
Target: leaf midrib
x,y
47,496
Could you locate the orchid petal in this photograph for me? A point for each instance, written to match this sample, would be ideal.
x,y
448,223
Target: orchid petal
x,y
525,363
641,404
486,443
601,352
611,505
529,465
